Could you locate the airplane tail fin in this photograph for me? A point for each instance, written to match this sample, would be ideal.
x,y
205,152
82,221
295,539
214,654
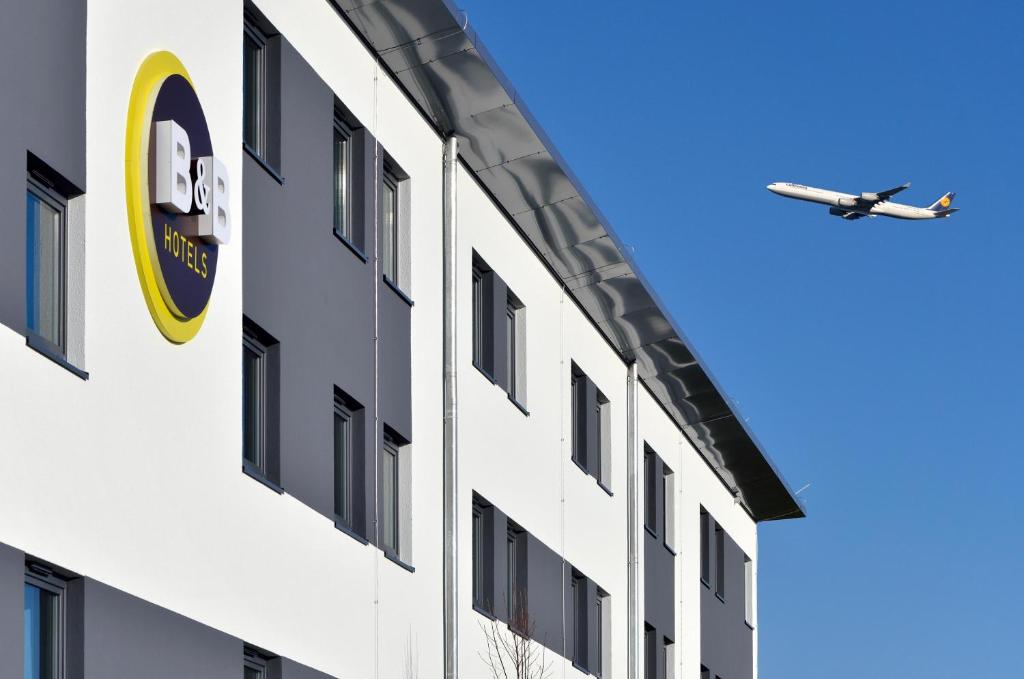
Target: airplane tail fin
x,y
942,204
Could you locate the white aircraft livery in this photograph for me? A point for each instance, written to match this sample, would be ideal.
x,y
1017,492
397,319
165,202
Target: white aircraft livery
x,y
849,206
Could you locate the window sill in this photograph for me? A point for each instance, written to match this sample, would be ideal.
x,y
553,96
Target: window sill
x,y
705,583
484,372
600,484
519,405
394,558
581,668
351,246
720,597
749,626
668,549
484,612
650,532
45,348
263,163
251,471
398,291
350,532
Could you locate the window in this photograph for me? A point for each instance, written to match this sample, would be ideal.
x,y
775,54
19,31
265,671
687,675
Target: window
x,y
256,665
394,498
389,515
650,653
604,643
669,657
669,506
259,394
343,179
483,556
579,619
46,266
704,673
349,467
44,624
254,83
499,332
480,306
705,548
719,562
261,91
516,585
391,237
578,389
591,421
604,443
479,598
748,590
650,491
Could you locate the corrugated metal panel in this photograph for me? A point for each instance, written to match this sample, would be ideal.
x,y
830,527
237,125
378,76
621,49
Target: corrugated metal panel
x,y
438,59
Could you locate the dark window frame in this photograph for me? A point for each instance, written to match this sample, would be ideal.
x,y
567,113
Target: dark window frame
x,y
391,235
719,561
705,547
668,507
343,184
344,463
255,447
516,592
255,132
263,463
650,491
479,318
391,446
578,389
43,191
580,604
45,580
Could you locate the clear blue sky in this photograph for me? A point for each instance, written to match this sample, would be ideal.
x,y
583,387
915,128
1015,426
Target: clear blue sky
x,y
879,360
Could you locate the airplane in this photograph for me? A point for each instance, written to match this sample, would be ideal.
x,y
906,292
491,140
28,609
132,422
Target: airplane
x,y
849,206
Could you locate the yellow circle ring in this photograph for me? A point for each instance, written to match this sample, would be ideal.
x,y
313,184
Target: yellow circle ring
x,y
156,68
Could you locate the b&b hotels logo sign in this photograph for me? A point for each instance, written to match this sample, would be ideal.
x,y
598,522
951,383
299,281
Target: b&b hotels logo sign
x,y
177,195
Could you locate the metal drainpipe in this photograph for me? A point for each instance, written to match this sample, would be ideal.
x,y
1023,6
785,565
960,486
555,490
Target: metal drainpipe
x,y
635,609
450,454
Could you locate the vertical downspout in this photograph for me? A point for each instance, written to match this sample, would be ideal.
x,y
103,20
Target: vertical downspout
x,y
450,453
635,611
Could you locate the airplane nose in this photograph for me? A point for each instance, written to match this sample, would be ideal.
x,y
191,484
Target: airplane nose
x,y
773,187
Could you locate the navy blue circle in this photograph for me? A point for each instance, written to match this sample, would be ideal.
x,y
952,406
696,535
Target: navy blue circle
x,y
183,260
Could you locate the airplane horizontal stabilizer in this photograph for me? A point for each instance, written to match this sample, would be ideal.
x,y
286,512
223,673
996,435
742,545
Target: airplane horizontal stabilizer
x,y
946,213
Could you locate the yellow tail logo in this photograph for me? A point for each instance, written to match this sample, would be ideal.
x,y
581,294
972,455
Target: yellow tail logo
x,y
945,201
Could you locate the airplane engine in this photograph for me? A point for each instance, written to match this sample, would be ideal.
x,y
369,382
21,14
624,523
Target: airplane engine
x,y
870,197
847,202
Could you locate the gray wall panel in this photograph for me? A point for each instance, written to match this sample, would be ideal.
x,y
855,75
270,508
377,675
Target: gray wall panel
x,y
395,317
726,642
42,77
307,289
12,603
545,575
127,637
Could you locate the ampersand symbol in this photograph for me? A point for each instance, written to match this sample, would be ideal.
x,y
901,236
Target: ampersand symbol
x,y
202,193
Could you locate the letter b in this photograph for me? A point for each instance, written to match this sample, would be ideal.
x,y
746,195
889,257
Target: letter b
x,y
172,188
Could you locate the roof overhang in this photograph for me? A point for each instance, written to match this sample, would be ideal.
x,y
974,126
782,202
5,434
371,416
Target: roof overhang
x,y
435,55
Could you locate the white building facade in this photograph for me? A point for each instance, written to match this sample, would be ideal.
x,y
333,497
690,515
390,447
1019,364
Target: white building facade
x,y
356,397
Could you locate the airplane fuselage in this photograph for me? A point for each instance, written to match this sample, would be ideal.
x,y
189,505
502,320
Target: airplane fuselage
x,y
850,203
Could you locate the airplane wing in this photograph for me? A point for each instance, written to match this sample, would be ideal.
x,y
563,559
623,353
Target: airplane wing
x,y
852,215
868,199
